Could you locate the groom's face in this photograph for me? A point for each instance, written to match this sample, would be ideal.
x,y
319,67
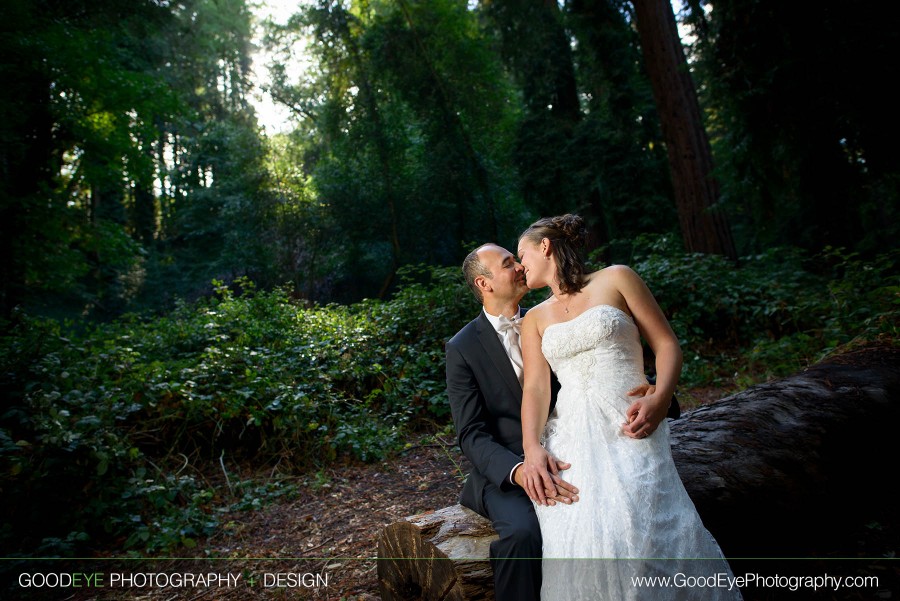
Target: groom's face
x,y
507,281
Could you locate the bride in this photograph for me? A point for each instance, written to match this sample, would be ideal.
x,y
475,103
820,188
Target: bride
x,y
635,533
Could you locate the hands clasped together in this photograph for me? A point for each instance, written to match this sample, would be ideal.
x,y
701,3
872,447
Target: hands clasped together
x,y
539,474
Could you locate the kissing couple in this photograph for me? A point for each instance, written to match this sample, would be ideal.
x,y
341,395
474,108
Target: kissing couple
x,y
568,440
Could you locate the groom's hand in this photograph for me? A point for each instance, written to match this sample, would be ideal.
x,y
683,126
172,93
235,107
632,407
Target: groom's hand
x,y
562,492
646,413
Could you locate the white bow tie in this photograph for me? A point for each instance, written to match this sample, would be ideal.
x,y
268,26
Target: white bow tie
x,y
506,323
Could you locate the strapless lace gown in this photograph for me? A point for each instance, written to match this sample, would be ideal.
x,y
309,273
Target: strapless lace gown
x,y
634,518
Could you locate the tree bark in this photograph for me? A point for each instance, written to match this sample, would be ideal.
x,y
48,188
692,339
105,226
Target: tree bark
x,y
27,154
800,455
791,468
703,224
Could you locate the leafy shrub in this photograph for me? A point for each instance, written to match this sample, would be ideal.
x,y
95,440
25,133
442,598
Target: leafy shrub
x,y
431,306
121,418
109,416
769,314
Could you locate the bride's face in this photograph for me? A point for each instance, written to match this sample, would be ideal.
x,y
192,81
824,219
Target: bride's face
x,y
538,268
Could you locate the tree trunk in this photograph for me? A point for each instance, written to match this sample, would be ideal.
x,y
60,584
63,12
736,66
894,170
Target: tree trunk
x,y
802,455
536,48
27,152
703,224
791,468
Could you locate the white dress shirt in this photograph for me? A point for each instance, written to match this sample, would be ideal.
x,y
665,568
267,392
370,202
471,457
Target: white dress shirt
x,y
495,322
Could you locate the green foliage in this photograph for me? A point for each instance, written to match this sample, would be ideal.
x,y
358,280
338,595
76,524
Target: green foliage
x,y
770,315
117,418
134,174
407,136
431,305
588,138
132,158
121,417
800,158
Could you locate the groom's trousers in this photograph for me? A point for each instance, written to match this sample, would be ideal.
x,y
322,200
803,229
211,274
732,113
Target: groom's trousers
x,y
516,554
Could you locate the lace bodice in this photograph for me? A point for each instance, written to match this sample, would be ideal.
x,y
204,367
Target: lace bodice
x,y
602,337
598,353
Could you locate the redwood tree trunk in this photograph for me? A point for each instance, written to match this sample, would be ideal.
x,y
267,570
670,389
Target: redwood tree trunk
x,y
703,225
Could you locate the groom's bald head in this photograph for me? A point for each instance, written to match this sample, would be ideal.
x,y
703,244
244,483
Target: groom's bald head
x,y
472,268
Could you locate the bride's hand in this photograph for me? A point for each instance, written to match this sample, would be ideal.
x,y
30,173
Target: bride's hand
x,y
564,492
537,472
646,413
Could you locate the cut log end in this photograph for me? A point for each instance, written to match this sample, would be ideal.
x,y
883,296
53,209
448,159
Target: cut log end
x,y
440,555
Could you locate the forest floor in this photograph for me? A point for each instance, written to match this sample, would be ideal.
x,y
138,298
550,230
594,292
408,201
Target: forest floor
x,y
327,529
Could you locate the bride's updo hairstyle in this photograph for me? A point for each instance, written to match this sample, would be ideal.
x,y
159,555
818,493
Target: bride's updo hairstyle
x,y
567,234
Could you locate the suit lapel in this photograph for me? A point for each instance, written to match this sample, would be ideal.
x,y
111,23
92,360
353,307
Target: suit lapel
x,y
489,340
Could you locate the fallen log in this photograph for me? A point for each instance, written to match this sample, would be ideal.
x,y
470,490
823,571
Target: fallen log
x,y
439,555
789,468
792,466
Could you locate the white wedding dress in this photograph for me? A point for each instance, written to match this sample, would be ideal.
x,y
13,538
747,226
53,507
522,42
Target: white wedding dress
x,y
634,518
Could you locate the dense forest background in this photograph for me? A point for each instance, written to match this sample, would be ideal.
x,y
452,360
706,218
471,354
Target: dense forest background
x,y
178,288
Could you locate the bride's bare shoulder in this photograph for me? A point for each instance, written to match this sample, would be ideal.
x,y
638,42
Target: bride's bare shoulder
x,y
616,269
539,308
612,274
538,313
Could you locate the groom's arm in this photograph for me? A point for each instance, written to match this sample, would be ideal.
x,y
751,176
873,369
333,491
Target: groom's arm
x,y
472,420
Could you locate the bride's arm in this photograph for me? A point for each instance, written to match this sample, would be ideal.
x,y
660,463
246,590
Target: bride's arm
x,y
535,408
646,414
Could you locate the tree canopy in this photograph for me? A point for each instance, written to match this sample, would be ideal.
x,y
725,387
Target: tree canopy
x,y
134,170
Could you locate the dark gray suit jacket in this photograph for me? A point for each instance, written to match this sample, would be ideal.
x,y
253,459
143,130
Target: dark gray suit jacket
x,y
486,401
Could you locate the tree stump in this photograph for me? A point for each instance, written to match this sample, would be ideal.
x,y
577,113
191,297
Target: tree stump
x,y
439,555
792,468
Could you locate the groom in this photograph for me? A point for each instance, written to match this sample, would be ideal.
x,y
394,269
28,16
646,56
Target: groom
x,y
484,370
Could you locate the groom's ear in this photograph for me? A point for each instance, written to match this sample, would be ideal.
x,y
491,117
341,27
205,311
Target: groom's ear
x,y
482,283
